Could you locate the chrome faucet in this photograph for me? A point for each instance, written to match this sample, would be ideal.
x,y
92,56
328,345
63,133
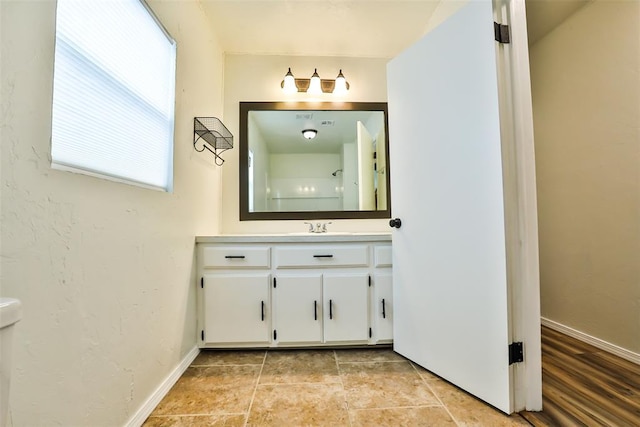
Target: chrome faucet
x,y
318,228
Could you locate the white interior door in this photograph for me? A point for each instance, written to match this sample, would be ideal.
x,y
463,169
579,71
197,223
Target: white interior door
x,y
449,257
381,172
366,196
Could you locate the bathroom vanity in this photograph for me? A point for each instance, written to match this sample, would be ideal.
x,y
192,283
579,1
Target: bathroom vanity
x,y
297,290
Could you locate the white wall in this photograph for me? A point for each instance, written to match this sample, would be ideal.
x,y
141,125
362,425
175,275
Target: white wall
x,y
303,182
586,104
257,78
104,270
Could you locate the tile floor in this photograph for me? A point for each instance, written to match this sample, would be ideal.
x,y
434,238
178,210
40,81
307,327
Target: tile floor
x,y
368,387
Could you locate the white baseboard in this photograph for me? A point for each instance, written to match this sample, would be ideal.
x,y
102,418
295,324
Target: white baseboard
x,y
152,401
596,342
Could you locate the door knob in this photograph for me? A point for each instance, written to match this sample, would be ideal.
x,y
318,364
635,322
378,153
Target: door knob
x,y
395,223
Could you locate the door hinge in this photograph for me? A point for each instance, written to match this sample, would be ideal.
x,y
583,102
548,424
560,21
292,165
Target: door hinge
x,y
202,282
369,280
516,353
370,333
275,335
501,33
274,282
202,334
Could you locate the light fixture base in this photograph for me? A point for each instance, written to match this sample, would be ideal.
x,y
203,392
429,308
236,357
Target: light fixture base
x,y
326,85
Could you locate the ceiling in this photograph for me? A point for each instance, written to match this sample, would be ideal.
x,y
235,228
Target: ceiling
x,y
346,28
351,28
281,130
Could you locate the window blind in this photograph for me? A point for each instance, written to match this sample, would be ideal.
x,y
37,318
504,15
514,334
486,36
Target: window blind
x,y
113,92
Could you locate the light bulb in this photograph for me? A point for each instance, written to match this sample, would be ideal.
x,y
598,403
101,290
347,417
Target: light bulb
x,y
289,83
314,84
340,87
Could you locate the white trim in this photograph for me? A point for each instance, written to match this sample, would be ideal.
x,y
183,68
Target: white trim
x,y
596,342
152,401
520,204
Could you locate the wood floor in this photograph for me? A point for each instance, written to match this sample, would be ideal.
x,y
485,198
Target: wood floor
x,y
585,386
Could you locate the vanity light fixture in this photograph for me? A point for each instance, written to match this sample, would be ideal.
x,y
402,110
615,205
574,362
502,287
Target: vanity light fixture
x,y
315,85
309,133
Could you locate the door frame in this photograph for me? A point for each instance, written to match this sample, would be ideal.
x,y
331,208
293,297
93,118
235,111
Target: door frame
x,y
521,213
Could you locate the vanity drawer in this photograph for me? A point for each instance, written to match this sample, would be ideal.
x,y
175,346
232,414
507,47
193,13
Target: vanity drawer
x,y
321,256
382,256
236,257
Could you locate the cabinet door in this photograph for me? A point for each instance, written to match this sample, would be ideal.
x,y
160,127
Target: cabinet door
x,y
236,308
346,307
383,306
298,308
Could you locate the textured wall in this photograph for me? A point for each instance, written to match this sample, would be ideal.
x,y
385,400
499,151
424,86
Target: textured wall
x,y
586,104
104,270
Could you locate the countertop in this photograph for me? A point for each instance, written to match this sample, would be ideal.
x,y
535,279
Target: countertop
x,y
296,238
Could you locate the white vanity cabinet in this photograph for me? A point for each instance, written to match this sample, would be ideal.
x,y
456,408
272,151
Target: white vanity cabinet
x,y
234,294
297,306
294,291
342,272
237,308
382,301
346,302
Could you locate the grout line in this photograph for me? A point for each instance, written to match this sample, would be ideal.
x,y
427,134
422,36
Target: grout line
x,y
264,359
371,362
319,383
435,394
215,414
382,408
225,365
344,391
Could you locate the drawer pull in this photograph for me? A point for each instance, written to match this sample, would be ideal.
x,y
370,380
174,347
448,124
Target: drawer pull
x,y
234,256
262,310
330,309
315,310
323,256
384,313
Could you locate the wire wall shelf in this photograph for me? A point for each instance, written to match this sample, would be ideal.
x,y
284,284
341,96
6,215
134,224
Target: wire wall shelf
x,y
214,136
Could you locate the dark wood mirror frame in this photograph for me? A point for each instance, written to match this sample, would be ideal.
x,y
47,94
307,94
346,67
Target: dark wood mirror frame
x,y
246,107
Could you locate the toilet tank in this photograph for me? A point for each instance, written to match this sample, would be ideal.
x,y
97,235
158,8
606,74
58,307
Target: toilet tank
x,y
10,313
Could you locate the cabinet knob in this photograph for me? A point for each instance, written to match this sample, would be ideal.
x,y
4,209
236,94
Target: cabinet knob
x,y
395,223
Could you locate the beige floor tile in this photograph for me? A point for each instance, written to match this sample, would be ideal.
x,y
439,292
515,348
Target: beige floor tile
x,y
465,408
434,416
299,405
384,385
223,357
218,376
211,390
368,355
195,421
300,366
215,400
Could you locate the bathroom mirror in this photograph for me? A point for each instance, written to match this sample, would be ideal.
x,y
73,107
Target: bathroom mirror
x,y
304,160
